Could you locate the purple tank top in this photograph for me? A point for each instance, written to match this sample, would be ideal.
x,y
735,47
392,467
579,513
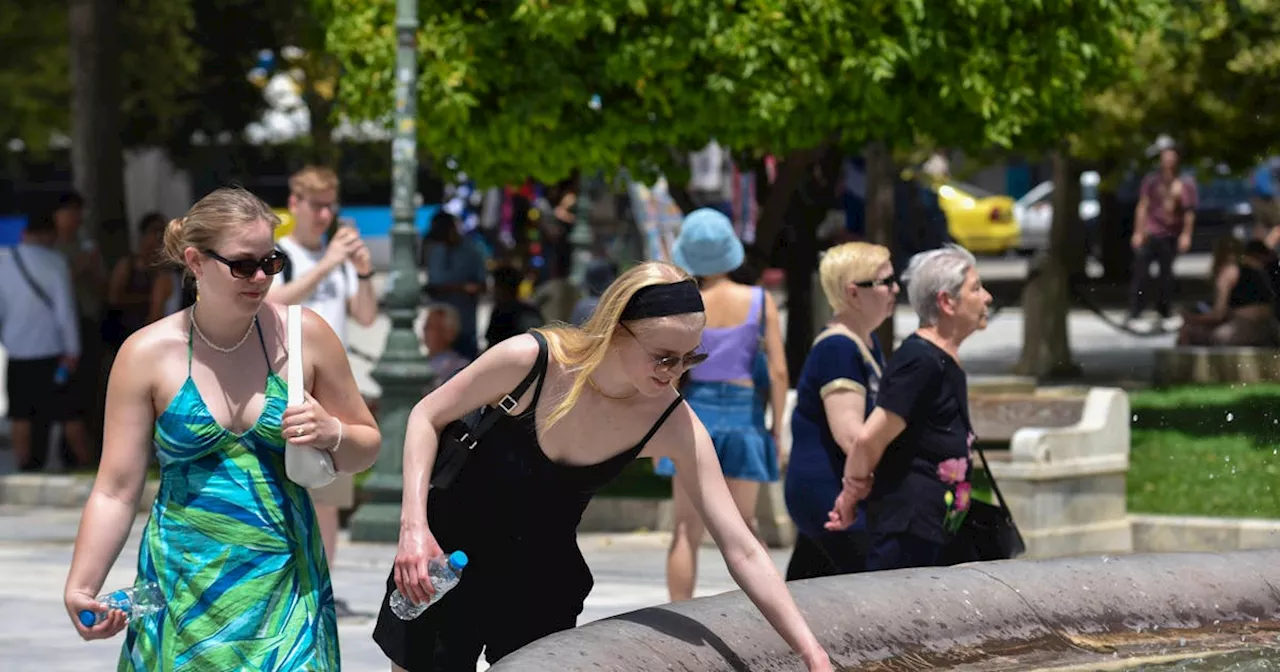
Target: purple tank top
x,y
732,350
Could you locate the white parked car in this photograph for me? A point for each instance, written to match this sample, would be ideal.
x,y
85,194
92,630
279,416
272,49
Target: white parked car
x,y
1034,211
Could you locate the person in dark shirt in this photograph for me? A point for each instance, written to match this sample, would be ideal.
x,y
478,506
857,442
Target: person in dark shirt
x,y
510,316
600,273
836,391
911,461
1244,310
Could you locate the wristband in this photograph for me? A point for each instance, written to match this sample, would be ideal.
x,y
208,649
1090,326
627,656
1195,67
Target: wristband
x,y
364,276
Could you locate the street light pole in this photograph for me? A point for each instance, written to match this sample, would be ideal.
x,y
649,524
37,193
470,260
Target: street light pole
x,y
402,371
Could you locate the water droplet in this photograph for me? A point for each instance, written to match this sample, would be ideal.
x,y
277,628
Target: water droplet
x,y
1182,641
1230,417
1135,417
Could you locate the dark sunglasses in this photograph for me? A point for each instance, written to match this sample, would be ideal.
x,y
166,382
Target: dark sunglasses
x,y
664,364
246,268
886,282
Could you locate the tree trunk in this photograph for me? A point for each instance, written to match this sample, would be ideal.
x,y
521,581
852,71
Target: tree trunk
x,y
801,257
97,154
1046,299
881,178
324,151
792,172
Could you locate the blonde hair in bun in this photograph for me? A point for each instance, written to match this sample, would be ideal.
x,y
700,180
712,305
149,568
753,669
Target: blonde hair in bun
x,y
211,217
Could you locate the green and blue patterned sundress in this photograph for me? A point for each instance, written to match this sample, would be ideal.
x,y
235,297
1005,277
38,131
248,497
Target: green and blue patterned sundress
x,y
235,548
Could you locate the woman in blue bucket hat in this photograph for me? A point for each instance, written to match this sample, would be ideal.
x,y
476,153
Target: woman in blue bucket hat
x,y
742,327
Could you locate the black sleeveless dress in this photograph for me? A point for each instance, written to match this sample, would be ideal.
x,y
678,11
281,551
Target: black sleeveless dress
x,y
515,513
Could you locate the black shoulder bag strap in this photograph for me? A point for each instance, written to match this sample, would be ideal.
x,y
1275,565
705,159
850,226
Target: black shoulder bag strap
x,y
509,402
35,287
963,400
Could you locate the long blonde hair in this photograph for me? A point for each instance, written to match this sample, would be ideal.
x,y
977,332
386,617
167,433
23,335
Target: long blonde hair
x,y
582,349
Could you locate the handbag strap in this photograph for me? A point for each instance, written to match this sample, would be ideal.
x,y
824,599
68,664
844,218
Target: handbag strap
x,y
963,401
35,286
509,402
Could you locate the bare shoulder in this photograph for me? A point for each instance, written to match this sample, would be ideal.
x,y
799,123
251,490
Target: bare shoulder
x,y
678,432
147,350
519,352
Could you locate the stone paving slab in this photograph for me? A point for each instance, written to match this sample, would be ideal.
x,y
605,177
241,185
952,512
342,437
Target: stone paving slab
x,y
35,555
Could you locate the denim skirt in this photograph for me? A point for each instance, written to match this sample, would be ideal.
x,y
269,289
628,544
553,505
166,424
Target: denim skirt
x,y
745,448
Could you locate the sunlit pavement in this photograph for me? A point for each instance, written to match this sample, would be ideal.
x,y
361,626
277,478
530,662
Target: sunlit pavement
x,y
35,553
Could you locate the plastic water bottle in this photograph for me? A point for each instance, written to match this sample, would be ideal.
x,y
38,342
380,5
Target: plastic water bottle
x,y
139,601
62,375
444,576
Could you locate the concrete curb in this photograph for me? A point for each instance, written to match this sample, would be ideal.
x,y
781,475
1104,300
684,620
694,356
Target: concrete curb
x,y
991,616
58,490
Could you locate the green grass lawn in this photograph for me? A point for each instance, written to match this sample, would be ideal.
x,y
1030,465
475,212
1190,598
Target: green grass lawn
x,y
1206,451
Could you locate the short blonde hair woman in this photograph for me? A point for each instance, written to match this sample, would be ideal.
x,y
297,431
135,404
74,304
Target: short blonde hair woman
x,y
595,398
836,391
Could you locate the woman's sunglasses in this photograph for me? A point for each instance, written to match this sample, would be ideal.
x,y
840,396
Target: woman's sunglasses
x,y
246,268
885,282
664,364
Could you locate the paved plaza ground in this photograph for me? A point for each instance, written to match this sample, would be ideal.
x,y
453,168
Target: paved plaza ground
x,y
35,553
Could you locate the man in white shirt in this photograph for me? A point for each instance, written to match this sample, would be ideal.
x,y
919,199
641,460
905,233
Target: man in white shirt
x,y
40,331
336,281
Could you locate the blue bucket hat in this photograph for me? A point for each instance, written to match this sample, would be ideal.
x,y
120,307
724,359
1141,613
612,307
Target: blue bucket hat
x,y
707,244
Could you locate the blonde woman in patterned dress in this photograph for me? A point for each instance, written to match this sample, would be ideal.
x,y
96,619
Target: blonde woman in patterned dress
x,y
231,541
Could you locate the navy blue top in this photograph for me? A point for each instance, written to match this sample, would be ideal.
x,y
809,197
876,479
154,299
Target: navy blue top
x,y
835,362
922,480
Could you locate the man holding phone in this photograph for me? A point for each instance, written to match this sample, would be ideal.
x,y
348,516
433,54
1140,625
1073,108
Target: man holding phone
x,y
335,279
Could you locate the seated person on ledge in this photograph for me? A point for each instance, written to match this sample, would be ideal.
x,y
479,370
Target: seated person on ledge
x,y
1243,311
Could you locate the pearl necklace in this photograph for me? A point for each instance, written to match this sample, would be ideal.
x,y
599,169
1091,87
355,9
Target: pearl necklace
x,y
223,350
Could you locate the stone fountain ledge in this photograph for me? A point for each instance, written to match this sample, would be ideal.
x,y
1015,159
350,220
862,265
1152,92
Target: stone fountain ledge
x,y
991,616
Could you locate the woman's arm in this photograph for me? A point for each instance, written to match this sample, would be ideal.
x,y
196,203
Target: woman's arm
x,y
845,408
113,502
779,377
486,381
698,472
333,398
881,428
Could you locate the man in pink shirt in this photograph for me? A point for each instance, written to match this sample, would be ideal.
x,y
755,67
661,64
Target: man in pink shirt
x,y
1162,229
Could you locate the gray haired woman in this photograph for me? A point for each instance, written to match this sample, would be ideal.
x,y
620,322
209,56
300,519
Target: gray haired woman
x,y
911,461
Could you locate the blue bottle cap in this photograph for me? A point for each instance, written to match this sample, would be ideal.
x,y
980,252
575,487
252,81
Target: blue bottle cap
x,y
458,560
88,618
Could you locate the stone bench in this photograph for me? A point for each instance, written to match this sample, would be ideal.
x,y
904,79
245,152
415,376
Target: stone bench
x,y
1216,365
1065,485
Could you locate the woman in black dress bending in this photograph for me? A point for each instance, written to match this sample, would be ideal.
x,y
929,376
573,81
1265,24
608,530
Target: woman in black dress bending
x,y
604,395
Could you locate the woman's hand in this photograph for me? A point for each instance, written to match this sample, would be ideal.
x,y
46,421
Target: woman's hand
x,y
843,512
112,623
416,549
308,424
818,662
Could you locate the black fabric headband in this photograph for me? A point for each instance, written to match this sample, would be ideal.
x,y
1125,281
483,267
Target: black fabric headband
x,y
676,298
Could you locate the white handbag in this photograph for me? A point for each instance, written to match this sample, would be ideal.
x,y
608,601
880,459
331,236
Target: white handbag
x,y
304,465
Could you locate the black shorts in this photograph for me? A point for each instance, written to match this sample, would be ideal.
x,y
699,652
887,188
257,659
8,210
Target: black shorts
x,y
449,636
31,389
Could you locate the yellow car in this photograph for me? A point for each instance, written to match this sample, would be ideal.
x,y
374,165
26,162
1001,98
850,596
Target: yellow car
x,y
981,222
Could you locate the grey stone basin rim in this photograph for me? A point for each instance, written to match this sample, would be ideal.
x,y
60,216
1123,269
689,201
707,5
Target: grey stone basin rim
x,y
972,615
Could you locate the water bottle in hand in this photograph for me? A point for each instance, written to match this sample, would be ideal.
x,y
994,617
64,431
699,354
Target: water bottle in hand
x,y
444,576
139,601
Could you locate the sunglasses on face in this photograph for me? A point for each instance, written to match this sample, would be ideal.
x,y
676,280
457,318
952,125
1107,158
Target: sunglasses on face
x,y
889,281
246,268
664,364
